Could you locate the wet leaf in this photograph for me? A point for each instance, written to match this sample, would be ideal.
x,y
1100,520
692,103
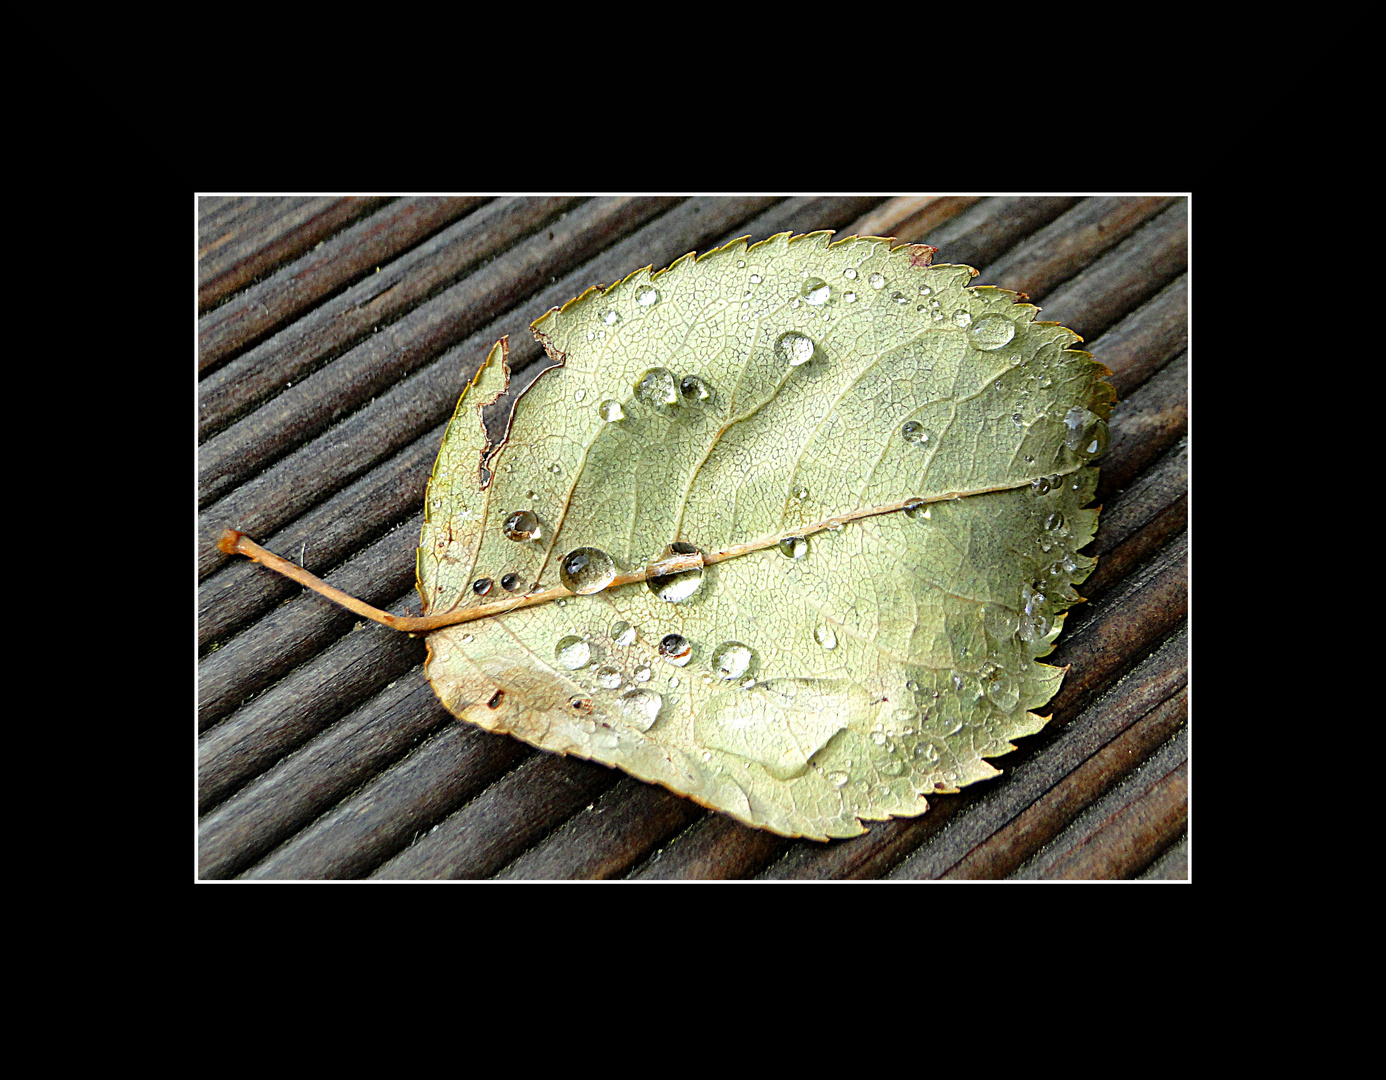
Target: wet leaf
x,y
865,484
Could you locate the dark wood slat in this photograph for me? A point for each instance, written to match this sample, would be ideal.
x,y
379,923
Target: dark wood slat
x,y
609,836
1130,828
910,218
714,848
981,235
1123,278
264,233
1057,253
348,317
332,265
507,818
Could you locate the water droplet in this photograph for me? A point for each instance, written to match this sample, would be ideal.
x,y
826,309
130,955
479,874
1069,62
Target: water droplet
x,y
962,318
607,677
877,282
793,547
924,290
681,584
991,332
912,431
850,273
755,279
801,493
824,636
1040,485
578,395
611,318
511,583
641,707
587,570
1000,688
573,653
648,297
521,525
919,511
611,411
731,660
1087,434
694,389
900,298
794,348
1054,521
675,649
1034,622
481,586
556,469
838,779
850,297
815,291
657,387
623,633
927,753
643,673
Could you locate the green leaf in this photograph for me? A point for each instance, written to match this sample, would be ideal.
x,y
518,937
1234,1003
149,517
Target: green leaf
x,y
884,475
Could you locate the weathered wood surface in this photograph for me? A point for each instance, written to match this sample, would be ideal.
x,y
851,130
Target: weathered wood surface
x,y
323,751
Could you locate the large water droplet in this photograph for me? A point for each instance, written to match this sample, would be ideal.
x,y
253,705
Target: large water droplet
x,y
641,707
912,431
681,584
1086,434
676,649
573,653
877,282
824,636
1001,689
962,318
850,273
611,318
815,291
919,511
794,348
587,570
647,297
481,586
793,547
991,332
521,525
694,390
611,411
731,660
607,677
657,387
511,583
623,633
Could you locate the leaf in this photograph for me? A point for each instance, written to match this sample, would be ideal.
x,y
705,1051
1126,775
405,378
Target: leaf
x,y
870,480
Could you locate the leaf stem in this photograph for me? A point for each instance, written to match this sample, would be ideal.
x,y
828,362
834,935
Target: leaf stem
x,y
237,543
